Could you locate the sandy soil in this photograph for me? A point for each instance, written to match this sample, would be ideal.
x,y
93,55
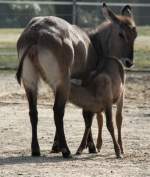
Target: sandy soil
x,y
15,135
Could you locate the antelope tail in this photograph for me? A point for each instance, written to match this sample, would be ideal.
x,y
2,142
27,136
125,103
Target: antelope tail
x,y
20,66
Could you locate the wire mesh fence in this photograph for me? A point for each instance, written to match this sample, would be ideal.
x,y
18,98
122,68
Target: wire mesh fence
x,y
16,14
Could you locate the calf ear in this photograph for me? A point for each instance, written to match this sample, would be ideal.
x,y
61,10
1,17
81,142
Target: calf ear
x,y
127,11
109,14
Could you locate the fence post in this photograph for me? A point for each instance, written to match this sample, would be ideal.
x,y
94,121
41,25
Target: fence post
x,y
74,10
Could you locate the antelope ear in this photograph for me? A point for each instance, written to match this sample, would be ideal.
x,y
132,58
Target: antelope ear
x,y
109,14
127,11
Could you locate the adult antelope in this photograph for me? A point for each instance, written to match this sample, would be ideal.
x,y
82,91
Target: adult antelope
x,y
57,51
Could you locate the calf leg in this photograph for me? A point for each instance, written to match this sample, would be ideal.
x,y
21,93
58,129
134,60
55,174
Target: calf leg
x,y
110,127
32,100
88,117
119,121
59,107
90,143
100,125
55,147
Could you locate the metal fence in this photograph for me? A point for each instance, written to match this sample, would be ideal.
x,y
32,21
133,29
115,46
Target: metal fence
x,y
84,14
74,11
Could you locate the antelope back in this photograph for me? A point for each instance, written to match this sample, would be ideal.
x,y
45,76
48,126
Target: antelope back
x,y
62,49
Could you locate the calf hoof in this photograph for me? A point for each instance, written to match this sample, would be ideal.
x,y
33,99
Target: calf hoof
x,y
99,146
119,156
36,153
118,152
66,153
92,150
78,152
91,147
98,149
122,152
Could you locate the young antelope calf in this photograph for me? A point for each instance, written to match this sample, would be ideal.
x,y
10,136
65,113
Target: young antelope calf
x,y
103,90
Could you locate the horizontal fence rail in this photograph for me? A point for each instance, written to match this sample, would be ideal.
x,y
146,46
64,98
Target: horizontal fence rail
x,y
77,10
74,2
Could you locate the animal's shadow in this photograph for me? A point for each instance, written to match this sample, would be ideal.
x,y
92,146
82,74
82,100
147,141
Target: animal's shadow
x,y
26,159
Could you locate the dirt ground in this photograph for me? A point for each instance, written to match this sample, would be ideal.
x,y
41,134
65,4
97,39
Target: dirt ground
x,y
15,135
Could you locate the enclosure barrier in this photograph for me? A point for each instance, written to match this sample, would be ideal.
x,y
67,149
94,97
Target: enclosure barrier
x,y
75,5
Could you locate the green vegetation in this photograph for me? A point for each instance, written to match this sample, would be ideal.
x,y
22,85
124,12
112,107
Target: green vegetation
x,y
144,31
142,48
8,38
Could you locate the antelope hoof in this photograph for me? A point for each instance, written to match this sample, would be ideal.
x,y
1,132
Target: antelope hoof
x,y
78,152
35,149
66,153
98,150
99,145
120,156
122,152
92,149
36,153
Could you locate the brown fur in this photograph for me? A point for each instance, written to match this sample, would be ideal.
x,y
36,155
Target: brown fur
x,y
104,90
75,54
